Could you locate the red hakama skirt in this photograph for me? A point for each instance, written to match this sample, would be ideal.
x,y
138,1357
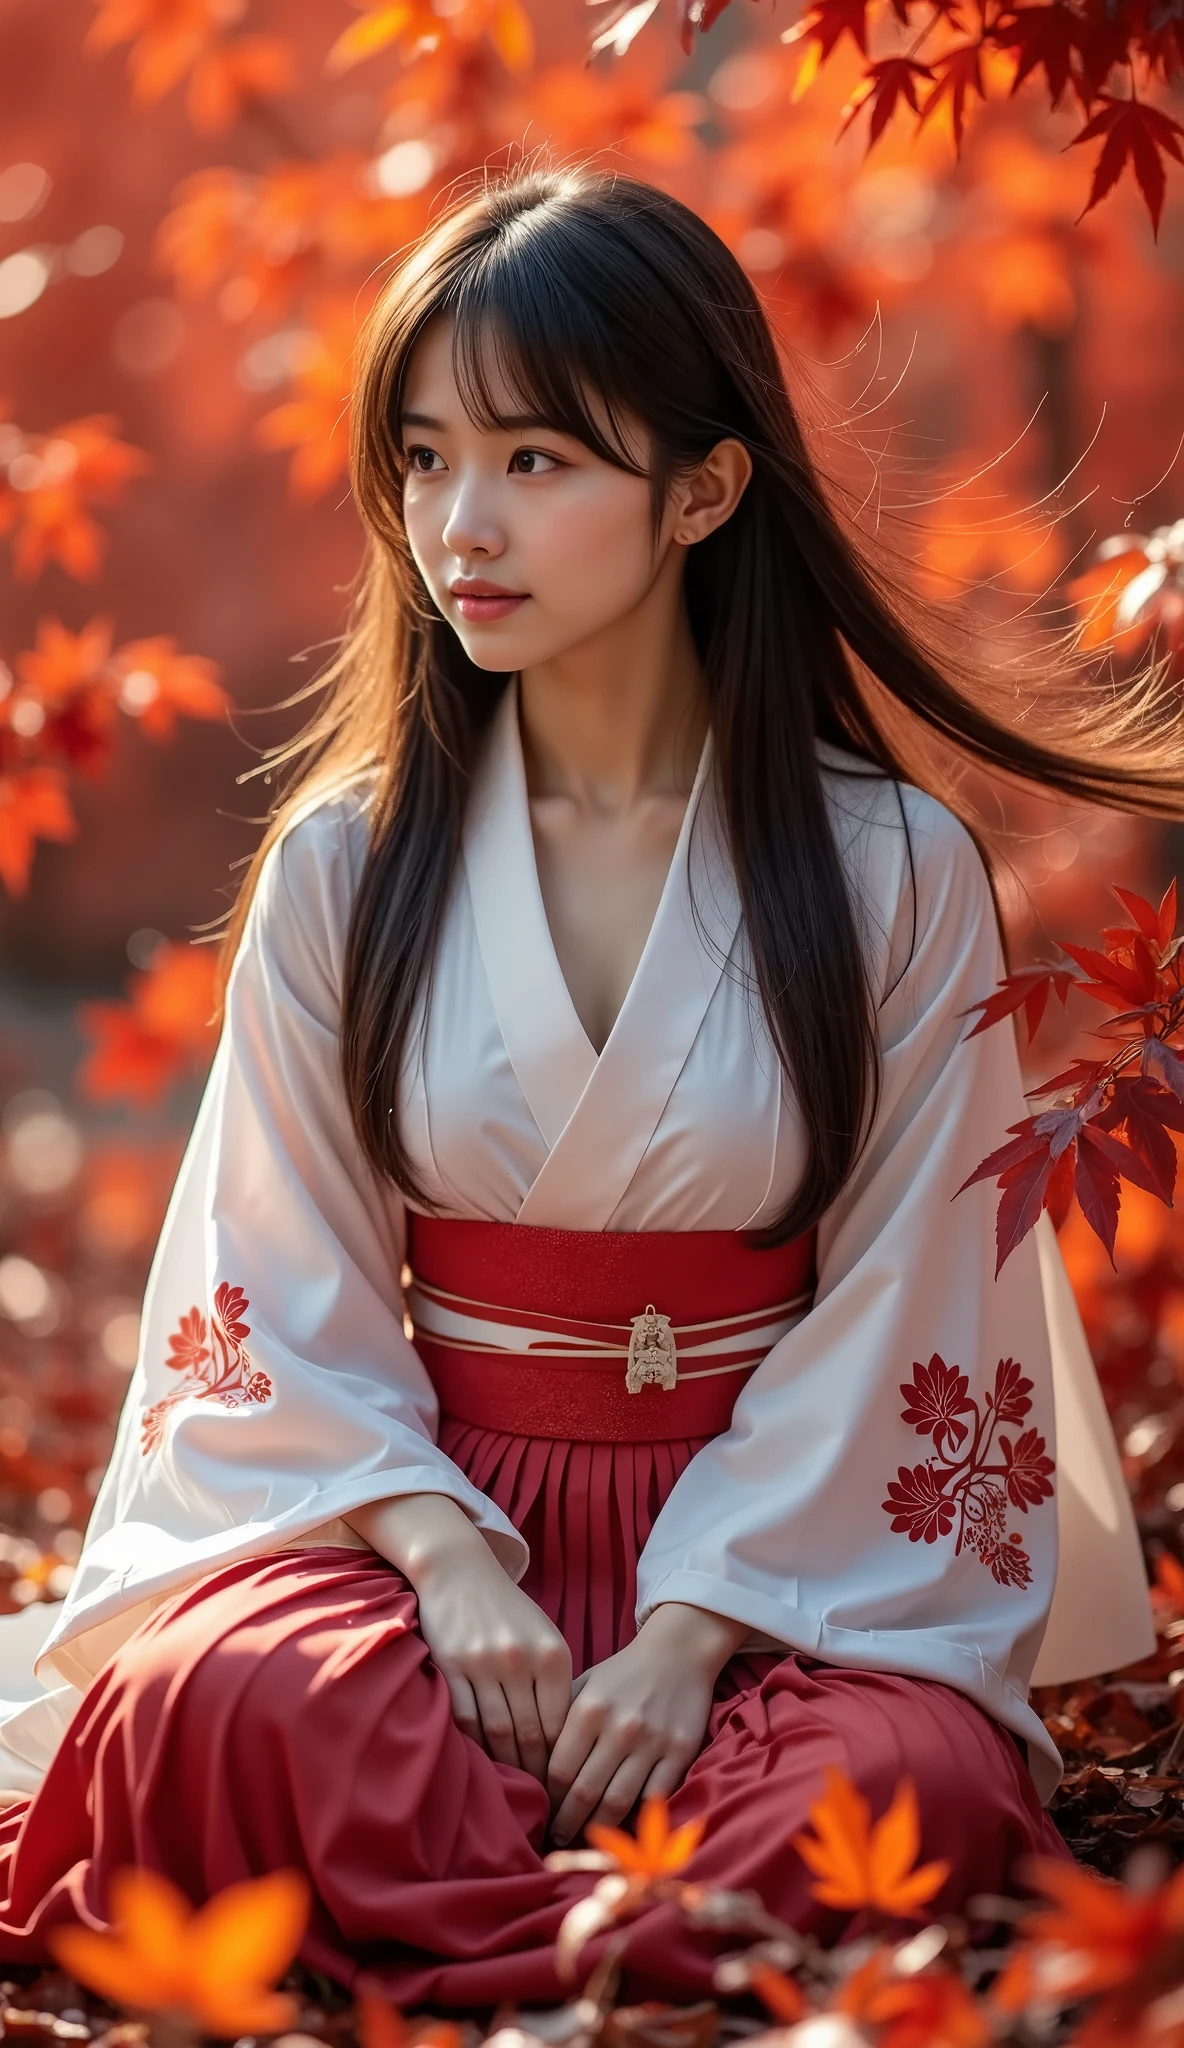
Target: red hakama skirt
x,y
285,1711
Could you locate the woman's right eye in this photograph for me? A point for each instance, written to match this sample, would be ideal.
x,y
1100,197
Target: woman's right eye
x,y
423,460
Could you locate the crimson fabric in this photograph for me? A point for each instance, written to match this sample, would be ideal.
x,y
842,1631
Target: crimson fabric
x,y
593,1284
285,1711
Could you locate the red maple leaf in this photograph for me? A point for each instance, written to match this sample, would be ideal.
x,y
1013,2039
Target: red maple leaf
x,y
934,1398
229,1304
33,805
1010,1393
1156,925
1101,1162
188,1350
918,1506
883,87
960,71
826,22
1028,988
166,1031
1116,981
1029,1470
1136,134
1045,37
1148,1112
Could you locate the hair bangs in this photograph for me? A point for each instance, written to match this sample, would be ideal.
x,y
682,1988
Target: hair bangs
x,y
528,344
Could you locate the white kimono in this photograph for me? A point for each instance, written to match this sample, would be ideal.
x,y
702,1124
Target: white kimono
x,y
277,1388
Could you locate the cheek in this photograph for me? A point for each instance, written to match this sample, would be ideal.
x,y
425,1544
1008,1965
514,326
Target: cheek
x,y
595,549
423,523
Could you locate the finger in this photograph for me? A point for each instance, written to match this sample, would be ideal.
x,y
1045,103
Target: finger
x,y
553,1693
667,1775
591,1782
533,1747
497,1723
623,1790
464,1708
571,1750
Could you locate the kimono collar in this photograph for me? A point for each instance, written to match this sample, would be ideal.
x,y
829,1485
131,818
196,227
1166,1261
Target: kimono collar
x,y
596,1113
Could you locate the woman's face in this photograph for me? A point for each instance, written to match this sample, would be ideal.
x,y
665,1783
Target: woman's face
x,y
528,542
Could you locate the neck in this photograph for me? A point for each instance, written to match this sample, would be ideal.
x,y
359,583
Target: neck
x,y
619,718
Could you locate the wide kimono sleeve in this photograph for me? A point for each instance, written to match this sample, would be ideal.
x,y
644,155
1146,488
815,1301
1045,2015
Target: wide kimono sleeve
x,y
883,1497
276,1388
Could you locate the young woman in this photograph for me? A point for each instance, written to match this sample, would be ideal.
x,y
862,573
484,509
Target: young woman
x,y
569,1369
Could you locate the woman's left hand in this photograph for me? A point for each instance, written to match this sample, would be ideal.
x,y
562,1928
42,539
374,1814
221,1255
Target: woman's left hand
x,y
638,1720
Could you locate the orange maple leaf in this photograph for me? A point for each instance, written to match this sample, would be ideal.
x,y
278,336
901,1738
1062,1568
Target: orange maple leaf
x,y
657,1850
33,805
919,2010
162,1033
206,234
315,422
166,36
232,74
62,661
382,2025
214,1967
1103,1932
156,683
415,27
51,484
859,1865
779,1993
63,708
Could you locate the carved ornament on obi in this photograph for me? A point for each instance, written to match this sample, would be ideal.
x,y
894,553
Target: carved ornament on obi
x,y
653,1354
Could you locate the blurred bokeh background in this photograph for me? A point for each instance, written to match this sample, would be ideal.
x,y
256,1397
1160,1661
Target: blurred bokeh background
x,y
198,198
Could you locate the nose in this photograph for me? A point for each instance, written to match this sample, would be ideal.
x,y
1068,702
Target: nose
x,y
471,527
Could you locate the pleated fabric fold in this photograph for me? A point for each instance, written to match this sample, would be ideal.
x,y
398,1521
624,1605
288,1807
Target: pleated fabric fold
x,y
586,1511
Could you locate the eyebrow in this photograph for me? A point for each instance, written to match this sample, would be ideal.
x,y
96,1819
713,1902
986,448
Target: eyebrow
x,y
515,422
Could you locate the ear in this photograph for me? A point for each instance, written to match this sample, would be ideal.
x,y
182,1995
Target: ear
x,y
711,495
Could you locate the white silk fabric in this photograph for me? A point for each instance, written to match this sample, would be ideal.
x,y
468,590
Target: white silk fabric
x,y
278,1389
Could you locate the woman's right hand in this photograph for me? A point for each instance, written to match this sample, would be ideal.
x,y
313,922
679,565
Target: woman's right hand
x,y
507,1667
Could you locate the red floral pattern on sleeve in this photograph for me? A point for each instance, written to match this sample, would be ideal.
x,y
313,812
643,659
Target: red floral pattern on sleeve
x,y
979,1474
213,1358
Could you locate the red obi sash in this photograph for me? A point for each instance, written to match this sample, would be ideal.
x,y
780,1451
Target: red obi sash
x,y
597,1336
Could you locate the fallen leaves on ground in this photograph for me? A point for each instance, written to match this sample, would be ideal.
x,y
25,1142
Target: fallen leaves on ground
x,y
210,1969
860,1864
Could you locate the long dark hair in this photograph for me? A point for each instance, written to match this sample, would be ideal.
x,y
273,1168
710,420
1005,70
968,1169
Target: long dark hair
x,y
592,298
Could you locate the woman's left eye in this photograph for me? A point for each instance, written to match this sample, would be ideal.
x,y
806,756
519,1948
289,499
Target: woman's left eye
x,y
532,462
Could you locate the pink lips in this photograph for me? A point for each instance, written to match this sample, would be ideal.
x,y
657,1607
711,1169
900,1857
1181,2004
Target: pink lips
x,y
478,600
